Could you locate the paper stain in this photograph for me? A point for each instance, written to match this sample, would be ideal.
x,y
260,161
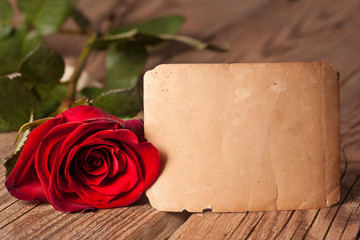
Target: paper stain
x,y
275,87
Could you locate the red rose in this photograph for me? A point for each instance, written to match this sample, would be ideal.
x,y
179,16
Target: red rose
x,y
85,158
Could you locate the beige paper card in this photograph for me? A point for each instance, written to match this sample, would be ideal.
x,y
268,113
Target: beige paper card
x,y
244,137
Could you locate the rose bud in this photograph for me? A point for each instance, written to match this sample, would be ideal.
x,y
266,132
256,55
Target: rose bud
x,y
85,158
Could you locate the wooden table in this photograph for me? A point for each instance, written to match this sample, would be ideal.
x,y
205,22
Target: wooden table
x,y
258,31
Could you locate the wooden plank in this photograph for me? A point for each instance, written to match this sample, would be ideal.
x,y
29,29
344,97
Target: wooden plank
x,y
14,210
134,222
6,149
257,31
347,221
218,226
312,224
298,224
221,226
7,146
267,227
326,33
325,217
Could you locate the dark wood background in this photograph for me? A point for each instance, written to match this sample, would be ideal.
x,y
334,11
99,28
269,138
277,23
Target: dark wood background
x,y
257,31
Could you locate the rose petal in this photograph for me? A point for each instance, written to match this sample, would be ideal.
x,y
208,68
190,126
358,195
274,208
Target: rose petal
x,y
96,162
137,127
148,155
93,197
82,178
122,182
117,167
81,113
84,158
85,130
92,176
61,200
124,199
23,182
48,151
150,159
114,166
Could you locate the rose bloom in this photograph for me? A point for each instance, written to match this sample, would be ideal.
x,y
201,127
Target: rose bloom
x,y
85,158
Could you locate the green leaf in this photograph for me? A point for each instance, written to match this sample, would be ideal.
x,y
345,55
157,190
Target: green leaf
x,y
46,15
32,40
16,102
152,39
16,46
167,25
5,18
29,9
192,42
124,64
81,101
149,40
104,42
5,127
10,51
50,100
123,103
42,67
92,92
153,32
10,161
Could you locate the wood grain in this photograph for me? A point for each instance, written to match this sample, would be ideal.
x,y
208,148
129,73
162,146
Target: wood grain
x,y
41,221
257,31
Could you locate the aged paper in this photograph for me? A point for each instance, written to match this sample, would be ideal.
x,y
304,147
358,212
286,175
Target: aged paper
x,y
244,137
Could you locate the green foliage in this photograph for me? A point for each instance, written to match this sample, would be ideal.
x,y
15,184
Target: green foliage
x,y
5,127
9,162
37,90
136,32
31,41
124,64
29,9
44,67
102,43
10,52
5,18
191,42
14,47
16,103
50,100
168,25
123,103
91,92
46,15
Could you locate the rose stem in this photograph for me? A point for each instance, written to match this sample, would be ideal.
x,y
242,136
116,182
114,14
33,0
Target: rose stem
x,y
81,61
79,66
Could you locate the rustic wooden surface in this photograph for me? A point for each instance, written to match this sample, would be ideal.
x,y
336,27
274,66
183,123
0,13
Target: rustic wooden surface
x,y
258,31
